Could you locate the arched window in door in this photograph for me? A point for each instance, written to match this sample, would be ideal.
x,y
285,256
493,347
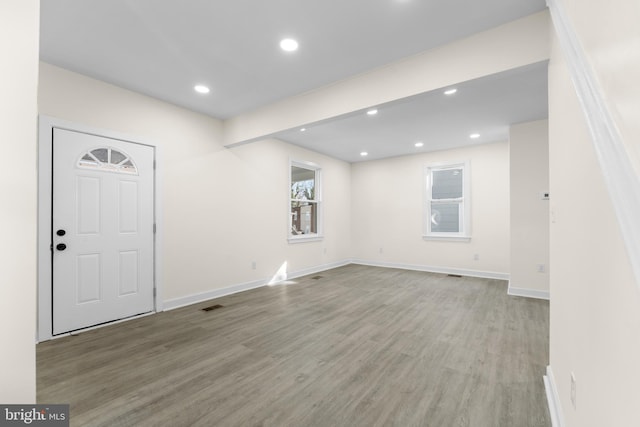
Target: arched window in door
x,y
108,159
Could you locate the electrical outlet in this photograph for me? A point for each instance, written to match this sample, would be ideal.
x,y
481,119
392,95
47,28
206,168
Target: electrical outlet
x,y
573,390
254,265
381,251
476,257
540,268
324,251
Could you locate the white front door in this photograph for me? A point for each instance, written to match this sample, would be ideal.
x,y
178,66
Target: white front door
x,y
102,235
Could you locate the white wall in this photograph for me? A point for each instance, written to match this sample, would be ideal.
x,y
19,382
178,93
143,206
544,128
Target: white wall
x,y
387,211
223,208
259,204
19,29
529,176
608,32
595,305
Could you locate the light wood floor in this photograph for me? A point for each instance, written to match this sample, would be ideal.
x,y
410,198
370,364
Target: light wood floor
x,y
360,346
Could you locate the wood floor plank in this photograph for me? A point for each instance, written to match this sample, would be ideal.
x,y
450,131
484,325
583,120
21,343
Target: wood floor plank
x,y
358,346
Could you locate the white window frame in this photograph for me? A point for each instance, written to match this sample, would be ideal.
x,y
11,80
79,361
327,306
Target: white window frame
x,y
464,233
317,200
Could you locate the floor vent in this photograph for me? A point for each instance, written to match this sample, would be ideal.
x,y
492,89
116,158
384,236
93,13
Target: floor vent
x,y
453,275
212,307
316,277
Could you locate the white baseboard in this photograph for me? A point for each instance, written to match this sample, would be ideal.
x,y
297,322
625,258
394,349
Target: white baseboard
x,y
435,269
214,293
317,269
241,287
553,400
528,293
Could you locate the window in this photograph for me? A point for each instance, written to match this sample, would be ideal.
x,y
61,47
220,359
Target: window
x,y
447,203
305,214
107,159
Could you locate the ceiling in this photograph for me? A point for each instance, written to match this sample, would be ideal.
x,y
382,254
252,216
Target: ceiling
x,y
485,106
162,48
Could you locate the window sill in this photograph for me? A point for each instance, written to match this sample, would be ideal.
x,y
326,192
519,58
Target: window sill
x,y
448,238
302,238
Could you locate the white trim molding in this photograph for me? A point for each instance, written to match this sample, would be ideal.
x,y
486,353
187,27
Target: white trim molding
x,y
622,181
553,399
317,269
316,200
464,203
435,269
447,238
528,293
172,304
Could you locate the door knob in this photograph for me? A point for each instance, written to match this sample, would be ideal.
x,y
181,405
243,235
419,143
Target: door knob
x,y
61,232
61,246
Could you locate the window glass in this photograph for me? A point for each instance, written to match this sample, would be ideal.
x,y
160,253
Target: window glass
x,y
303,183
447,202
117,157
445,217
447,184
305,201
304,218
101,154
107,159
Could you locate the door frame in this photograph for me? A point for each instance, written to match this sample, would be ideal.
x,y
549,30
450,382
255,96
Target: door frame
x,y
46,125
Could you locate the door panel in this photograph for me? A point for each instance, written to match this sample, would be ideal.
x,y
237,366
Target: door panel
x,y
103,193
127,207
88,278
88,215
128,269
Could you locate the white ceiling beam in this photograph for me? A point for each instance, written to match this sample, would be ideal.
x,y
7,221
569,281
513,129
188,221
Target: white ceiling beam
x,y
515,44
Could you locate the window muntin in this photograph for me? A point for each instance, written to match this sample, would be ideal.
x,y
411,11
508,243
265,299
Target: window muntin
x,y
447,204
107,159
305,200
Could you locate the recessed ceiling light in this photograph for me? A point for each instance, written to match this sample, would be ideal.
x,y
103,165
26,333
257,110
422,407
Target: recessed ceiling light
x,y
288,45
372,112
201,89
364,153
303,129
474,136
450,91
419,144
